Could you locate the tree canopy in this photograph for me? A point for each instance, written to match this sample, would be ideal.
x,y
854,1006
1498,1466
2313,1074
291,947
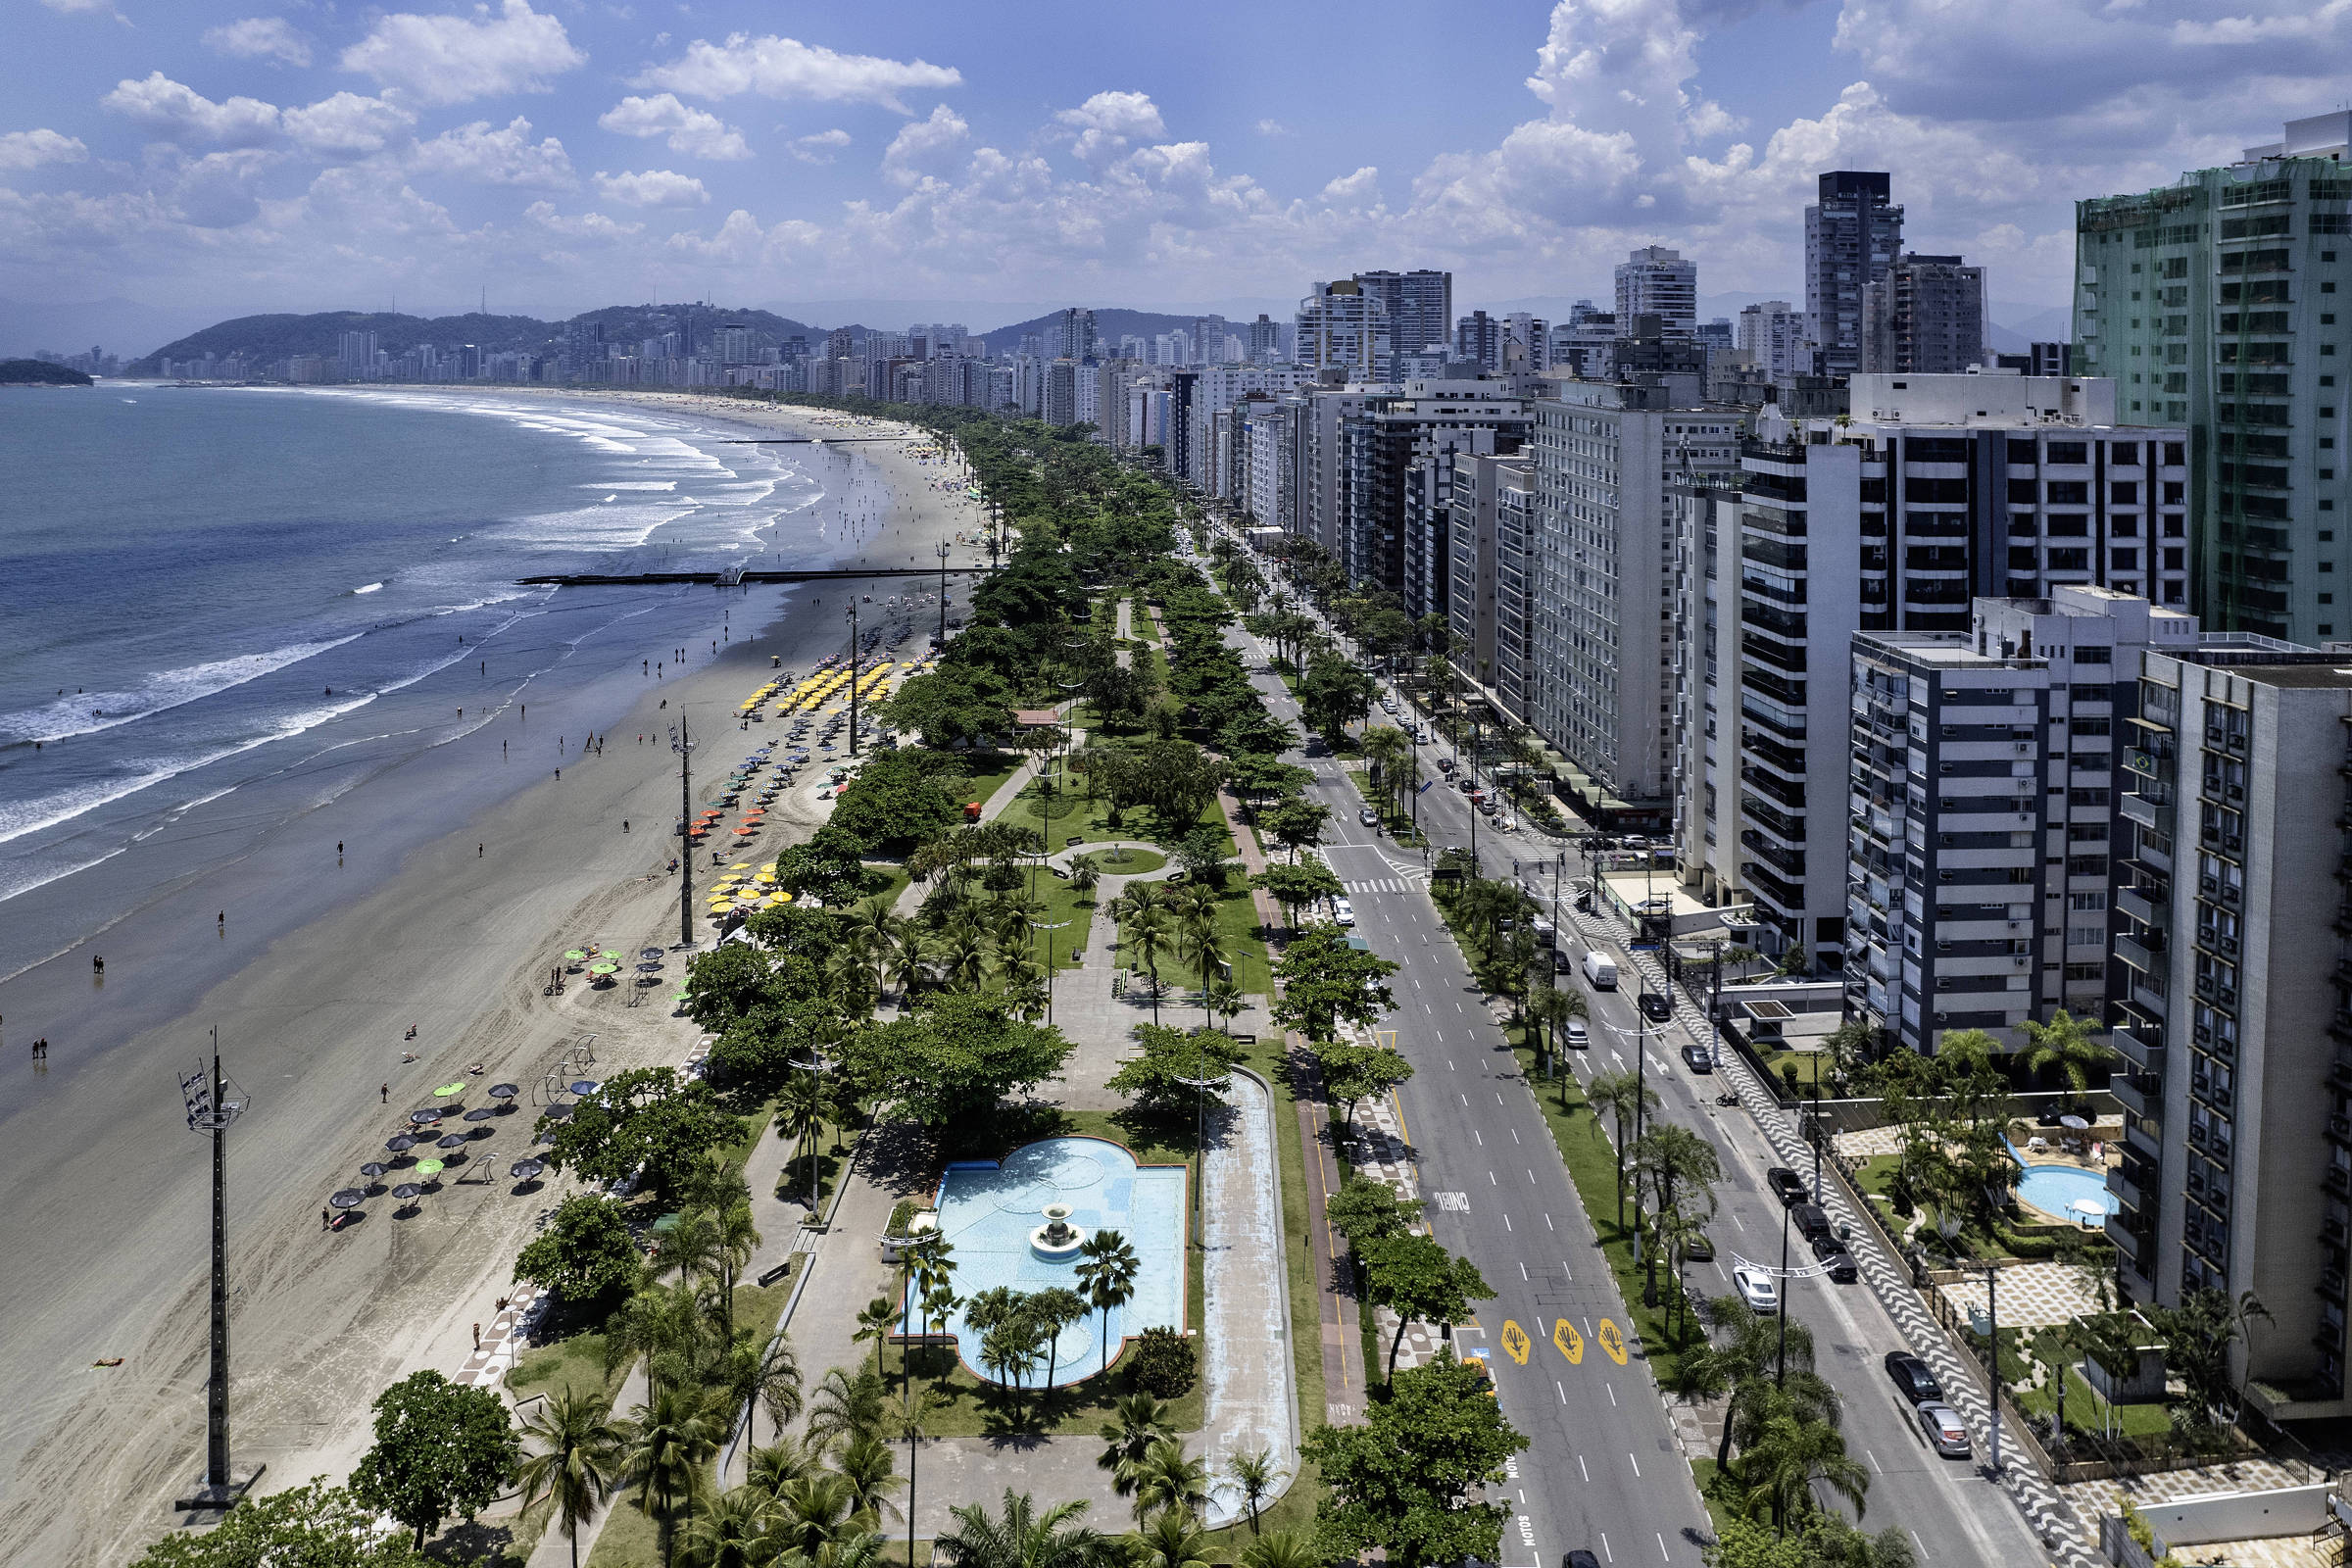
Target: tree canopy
x,y
641,1118
1163,1079
441,1452
957,1058
311,1526
586,1254
1326,984
1409,1480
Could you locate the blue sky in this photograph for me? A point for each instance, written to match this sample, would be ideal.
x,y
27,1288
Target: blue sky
x,y
224,158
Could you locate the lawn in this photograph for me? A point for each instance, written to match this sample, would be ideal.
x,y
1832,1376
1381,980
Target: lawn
x,y
1244,950
1393,823
577,1363
1062,903
1812,1068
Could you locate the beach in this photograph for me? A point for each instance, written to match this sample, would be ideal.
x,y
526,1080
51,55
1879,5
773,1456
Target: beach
x,y
455,887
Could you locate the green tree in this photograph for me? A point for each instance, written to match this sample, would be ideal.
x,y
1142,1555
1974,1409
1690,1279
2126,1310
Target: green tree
x,y
1421,1282
1355,1074
956,1059
1019,1535
829,867
1169,1480
1409,1479
1789,1460
1283,1548
1107,1272
1138,1421
586,1254
441,1452
576,1460
1366,1209
1173,1539
727,982
1165,1078
1294,823
1623,1098
733,1532
668,1441
641,1119
899,797
2069,1044
311,1526
1255,1475
1297,886
1326,984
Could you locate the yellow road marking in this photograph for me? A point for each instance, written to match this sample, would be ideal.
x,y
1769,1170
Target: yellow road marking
x,y
1612,1339
1571,1343
1514,1340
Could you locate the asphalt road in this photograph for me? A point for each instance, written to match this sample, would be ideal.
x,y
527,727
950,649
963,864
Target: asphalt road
x,y
1603,1470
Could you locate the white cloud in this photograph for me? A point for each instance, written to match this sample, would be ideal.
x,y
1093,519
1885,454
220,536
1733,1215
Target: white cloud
x,y
81,6
923,146
786,67
346,125
694,132
498,156
167,107
31,149
1359,189
448,60
588,225
260,39
215,191
1108,122
821,148
1272,128
737,241
654,187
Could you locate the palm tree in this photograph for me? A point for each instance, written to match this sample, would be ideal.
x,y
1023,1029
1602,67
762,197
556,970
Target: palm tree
x,y
848,1404
801,1118
1085,876
669,1443
784,1461
734,1237
908,963
578,1457
2067,1042
1056,1310
1779,1470
1256,1475
1108,1273
1226,999
850,979
733,1532
1020,1536
1203,947
1148,936
904,1417
1136,1422
1621,1097
1675,1159
662,1324
865,1463
1283,1548
966,956
1173,1539
813,1513
761,1373
1167,1477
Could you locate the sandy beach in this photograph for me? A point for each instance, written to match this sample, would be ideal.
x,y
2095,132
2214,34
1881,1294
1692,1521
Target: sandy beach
x,y
104,1192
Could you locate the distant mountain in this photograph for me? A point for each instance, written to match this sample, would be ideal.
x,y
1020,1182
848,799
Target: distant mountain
x,y
39,373
1110,325
266,338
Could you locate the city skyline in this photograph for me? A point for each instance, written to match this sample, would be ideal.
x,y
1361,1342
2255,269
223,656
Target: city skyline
x,y
219,159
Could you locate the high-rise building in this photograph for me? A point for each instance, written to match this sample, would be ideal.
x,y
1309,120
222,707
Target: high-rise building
x,y
1937,491
839,343
1342,325
2213,303
1926,317
1265,341
1489,502
1603,623
1656,281
356,357
1071,334
1208,340
2236,1020
1059,392
1526,348
1983,814
1419,306
1774,335
1852,236
1478,340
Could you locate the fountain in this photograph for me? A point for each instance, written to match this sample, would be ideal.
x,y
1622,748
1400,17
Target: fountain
x,y
1056,1240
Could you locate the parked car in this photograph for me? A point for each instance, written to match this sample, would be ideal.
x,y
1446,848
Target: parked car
x,y
1787,1185
1945,1432
1343,912
1365,816
1831,1252
1575,1036
1812,1221
1695,1058
1656,1006
1913,1379
1758,1290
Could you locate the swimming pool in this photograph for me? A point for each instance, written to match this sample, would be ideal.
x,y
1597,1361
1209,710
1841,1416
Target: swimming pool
x,y
2056,1189
987,1210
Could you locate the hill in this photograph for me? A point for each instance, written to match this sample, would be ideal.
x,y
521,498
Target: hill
x,y
40,372
1109,326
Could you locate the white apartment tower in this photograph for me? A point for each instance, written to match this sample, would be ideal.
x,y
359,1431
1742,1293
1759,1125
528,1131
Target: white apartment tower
x,y
1656,281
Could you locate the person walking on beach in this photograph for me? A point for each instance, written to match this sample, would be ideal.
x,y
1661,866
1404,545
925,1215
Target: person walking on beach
x,y
385,1092
326,1218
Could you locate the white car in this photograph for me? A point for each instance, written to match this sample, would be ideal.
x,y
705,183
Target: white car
x,y
1943,1429
1575,1036
1343,912
1758,1290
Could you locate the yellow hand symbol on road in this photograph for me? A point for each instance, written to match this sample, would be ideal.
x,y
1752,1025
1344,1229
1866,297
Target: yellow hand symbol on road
x,y
1514,1341
1571,1343
1612,1339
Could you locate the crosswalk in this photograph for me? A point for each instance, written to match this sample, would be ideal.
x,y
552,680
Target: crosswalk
x,y
1379,884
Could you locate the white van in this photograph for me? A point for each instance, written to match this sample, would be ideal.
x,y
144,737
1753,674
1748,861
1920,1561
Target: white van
x,y
1600,971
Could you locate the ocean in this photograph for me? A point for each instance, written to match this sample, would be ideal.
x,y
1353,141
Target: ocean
x,y
221,608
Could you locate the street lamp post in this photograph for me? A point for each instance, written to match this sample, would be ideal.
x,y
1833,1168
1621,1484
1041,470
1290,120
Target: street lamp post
x,y
943,592
1049,930
853,673
683,745
213,1106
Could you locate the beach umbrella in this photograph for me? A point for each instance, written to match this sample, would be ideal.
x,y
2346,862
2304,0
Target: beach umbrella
x,y
504,1091
425,1117
348,1197
2089,1206
400,1144
408,1192
451,1140
480,1113
573,956
583,1086
372,1170
557,1112
429,1167
647,953
451,1088
604,968
648,968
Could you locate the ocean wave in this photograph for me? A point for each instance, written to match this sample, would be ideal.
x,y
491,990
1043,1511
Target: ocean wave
x,y
370,588
88,713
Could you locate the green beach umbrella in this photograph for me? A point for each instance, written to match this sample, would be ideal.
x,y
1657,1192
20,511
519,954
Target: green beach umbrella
x,y
429,1167
573,956
603,968
451,1088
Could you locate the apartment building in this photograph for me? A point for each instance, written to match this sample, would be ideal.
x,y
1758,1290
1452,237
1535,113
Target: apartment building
x,y
1379,442
2213,303
2234,911
1926,315
1603,627
1344,327
1938,490
1418,307
1983,811
1853,234
1656,281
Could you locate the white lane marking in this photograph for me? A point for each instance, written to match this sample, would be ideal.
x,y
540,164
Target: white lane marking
x,y
1866,1453
1556,1382
1612,1388
1661,1535
1635,1463
1523,1270
1580,1458
1530,1177
1547,1224
1449,1064
1506,1222
1735,1219
1475,1133
1465,1099
1515,1139
1490,1178
1604,1541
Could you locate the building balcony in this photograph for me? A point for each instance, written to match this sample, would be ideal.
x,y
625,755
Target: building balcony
x,y
2149,999
2132,1232
2142,1049
2340,1073
2124,1187
2137,1136
2135,903
2141,1094
2156,814
2145,952
2339,1131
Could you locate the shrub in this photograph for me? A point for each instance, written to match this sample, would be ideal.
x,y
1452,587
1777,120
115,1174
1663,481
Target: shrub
x,y
1163,1363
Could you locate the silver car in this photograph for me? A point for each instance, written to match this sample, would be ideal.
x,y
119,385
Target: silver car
x,y
1944,1431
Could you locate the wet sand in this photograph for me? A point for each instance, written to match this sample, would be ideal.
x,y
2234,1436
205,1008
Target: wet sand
x,y
104,1194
